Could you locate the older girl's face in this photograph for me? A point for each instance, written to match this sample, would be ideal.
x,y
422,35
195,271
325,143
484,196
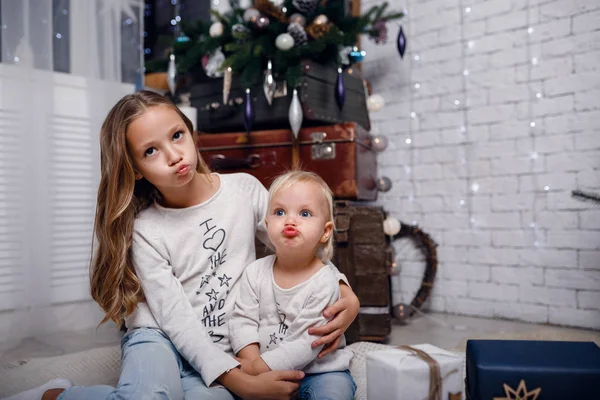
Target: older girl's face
x,y
162,148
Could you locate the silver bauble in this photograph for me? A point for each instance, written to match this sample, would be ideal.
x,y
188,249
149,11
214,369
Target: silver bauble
x,y
295,114
379,143
297,18
384,184
251,14
401,313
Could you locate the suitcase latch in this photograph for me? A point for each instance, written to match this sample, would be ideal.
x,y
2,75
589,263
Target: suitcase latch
x,y
320,150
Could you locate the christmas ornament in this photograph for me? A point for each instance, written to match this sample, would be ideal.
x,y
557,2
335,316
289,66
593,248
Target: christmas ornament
x,y
298,33
391,226
321,20
262,22
216,29
379,143
356,55
344,54
248,112
270,9
284,42
401,42
240,32
172,75
213,66
227,78
401,312
295,114
379,32
251,14
317,30
269,83
340,90
384,184
297,18
306,7
375,102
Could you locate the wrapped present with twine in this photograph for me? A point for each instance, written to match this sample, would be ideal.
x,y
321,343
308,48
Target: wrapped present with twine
x,y
419,372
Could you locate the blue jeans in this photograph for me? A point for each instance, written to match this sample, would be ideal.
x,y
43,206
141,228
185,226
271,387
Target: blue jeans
x,y
151,368
327,386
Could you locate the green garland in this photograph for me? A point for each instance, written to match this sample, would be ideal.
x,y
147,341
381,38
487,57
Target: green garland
x,y
247,53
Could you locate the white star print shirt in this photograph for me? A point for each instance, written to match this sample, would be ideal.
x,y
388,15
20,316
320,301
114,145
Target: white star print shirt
x,y
189,262
278,319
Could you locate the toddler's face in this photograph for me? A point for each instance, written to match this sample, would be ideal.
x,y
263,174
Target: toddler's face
x,y
162,148
298,219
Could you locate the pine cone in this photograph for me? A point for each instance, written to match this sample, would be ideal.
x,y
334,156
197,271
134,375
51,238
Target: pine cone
x,y
270,9
306,7
298,33
318,30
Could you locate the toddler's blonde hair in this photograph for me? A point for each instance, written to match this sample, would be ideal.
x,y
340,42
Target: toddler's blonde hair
x,y
286,180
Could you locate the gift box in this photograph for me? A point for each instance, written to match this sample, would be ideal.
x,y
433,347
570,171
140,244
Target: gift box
x,y
420,372
533,370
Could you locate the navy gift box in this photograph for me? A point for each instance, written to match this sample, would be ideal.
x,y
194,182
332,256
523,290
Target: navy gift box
x,y
532,370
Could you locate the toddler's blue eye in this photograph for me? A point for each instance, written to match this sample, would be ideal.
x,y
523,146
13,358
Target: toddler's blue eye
x,y
279,212
149,151
305,214
178,135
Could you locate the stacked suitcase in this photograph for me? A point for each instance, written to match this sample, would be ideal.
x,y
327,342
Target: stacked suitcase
x,y
337,146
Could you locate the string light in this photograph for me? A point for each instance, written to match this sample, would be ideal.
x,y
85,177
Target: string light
x,y
470,187
413,114
532,134
417,85
417,58
58,36
408,141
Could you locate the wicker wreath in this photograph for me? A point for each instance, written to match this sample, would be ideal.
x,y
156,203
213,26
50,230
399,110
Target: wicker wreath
x,y
427,246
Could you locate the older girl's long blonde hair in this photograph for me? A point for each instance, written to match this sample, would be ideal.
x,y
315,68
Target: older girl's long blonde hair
x,y
325,251
114,284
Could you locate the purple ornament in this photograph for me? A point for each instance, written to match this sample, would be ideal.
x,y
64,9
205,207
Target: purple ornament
x,y
401,42
248,112
340,89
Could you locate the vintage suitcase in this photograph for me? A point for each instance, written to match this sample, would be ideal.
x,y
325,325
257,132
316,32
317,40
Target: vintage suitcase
x,y
340,154
362,253
316,92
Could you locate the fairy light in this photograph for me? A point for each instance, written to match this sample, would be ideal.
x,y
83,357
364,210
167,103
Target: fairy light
x,y
413,114
408,140
534,156
417,85
470,187
417,58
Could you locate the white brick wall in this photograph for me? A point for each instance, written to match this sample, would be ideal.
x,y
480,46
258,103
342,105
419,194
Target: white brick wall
x,y
497,266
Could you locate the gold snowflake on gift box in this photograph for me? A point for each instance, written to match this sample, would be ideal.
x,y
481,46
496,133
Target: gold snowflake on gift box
x,y
520,394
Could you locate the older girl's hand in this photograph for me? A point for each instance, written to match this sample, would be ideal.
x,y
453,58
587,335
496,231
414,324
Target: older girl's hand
x,y
345,311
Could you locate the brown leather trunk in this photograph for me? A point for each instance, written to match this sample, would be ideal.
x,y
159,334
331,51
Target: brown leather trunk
x,y
340,154
363,254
